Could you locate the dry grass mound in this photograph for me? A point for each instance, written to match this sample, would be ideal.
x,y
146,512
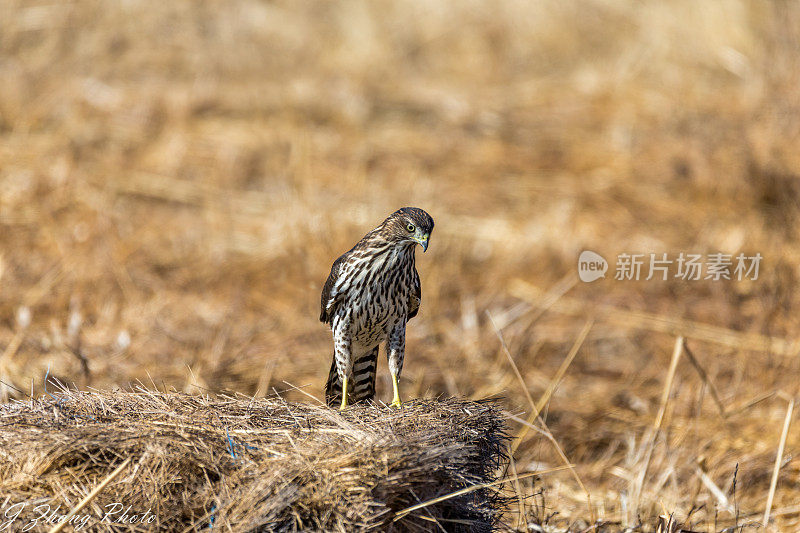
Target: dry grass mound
x,y
239,464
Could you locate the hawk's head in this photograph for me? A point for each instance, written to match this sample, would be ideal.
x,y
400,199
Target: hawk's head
x,y
408,225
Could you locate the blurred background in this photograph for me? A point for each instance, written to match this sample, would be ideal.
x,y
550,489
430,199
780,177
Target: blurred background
x,y
176,179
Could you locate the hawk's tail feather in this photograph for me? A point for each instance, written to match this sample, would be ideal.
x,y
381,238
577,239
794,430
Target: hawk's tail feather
x,y
333,388
362,387
364,371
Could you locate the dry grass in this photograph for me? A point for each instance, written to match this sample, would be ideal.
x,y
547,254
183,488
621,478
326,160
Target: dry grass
x,y
246,465
176,179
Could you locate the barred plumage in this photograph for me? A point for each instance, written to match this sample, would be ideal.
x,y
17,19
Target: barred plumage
x,y
370,294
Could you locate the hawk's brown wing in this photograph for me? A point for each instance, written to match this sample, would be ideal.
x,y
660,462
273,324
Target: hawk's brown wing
x,y
416,295
330,300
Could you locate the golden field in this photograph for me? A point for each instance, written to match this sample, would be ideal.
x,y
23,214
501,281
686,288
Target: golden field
x,y
176,179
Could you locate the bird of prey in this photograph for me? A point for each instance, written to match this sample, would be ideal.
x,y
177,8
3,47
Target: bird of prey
x,y
370,294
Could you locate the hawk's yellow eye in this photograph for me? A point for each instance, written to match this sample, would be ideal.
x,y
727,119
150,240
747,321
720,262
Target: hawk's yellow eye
x,y
411,228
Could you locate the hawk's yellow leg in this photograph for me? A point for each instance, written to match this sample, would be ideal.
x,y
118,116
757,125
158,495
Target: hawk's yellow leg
x,y
396,402
344,394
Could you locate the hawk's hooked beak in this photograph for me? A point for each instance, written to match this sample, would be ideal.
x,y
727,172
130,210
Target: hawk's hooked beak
x,y
423,241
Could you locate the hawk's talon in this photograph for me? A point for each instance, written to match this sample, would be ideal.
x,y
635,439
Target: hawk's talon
x,y
396,402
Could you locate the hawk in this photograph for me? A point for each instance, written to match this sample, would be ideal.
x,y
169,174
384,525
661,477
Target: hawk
x,y
370,294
